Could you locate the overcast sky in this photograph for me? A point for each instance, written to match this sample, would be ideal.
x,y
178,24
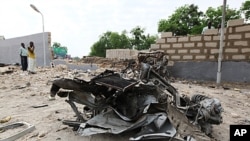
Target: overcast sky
x,y
77,24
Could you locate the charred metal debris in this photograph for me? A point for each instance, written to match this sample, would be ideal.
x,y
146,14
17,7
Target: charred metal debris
x,y
144,102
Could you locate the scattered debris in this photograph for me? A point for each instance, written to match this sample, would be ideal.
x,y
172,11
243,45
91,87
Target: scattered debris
x,y
12,126
6,119
6,70
244,122
236,89
34,135
42,135
64,128
40,106
234,115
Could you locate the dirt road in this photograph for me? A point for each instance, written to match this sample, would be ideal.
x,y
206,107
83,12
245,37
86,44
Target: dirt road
x,y
19,92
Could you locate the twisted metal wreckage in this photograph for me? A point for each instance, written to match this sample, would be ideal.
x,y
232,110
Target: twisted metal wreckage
x,y
145,103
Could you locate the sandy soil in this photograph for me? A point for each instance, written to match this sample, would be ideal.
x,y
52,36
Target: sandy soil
x,y
19,92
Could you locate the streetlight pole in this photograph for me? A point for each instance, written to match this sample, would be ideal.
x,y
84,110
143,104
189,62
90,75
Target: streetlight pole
x,y
44,51
218,81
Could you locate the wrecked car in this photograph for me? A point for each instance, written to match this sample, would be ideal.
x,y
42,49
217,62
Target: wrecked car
x,y
149,106
156,59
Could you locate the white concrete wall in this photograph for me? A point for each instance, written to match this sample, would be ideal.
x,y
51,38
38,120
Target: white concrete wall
x,y
9,53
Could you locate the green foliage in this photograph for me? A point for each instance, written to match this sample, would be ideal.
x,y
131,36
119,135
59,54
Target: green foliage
x,y
215,15
185,20
188,19
147,42
182,20
109,40
140,41
98,49
245,9
197,29
114,40
56,44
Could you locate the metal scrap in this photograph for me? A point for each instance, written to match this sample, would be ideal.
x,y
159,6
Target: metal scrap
x,y
14,137
146,102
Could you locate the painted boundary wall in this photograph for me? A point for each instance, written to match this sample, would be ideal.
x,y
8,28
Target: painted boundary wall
x,y
195,57
10,48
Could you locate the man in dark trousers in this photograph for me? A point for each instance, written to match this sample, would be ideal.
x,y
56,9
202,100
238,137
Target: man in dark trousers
x,y
23,54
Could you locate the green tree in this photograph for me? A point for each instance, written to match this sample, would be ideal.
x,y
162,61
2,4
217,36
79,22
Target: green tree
x,y
56,44
188,19
98,49
110,40
114,40
137,37
215,15
148,41
139,40
245,9
182,21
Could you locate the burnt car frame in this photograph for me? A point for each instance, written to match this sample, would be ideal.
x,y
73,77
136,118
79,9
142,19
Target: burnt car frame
x,y
148,104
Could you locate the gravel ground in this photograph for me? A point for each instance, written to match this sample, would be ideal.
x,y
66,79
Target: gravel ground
x,y
19,92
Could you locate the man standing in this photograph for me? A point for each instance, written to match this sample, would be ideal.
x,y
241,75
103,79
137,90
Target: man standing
x,y
209,26
23,55
31,58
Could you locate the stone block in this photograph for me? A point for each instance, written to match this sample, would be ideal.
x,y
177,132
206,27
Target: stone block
x,y
207,38
200,57
177,45
195,51
242,28
154,46
188,44
183,39
234,36
217,38
171,40
211,57
239,57
211,44
214,51
187,57
166,34
160,41
231,50
165,46
182,51
247,35
175,57
170,51
236,22
211,32
199,44
195,38
241,43
245,50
